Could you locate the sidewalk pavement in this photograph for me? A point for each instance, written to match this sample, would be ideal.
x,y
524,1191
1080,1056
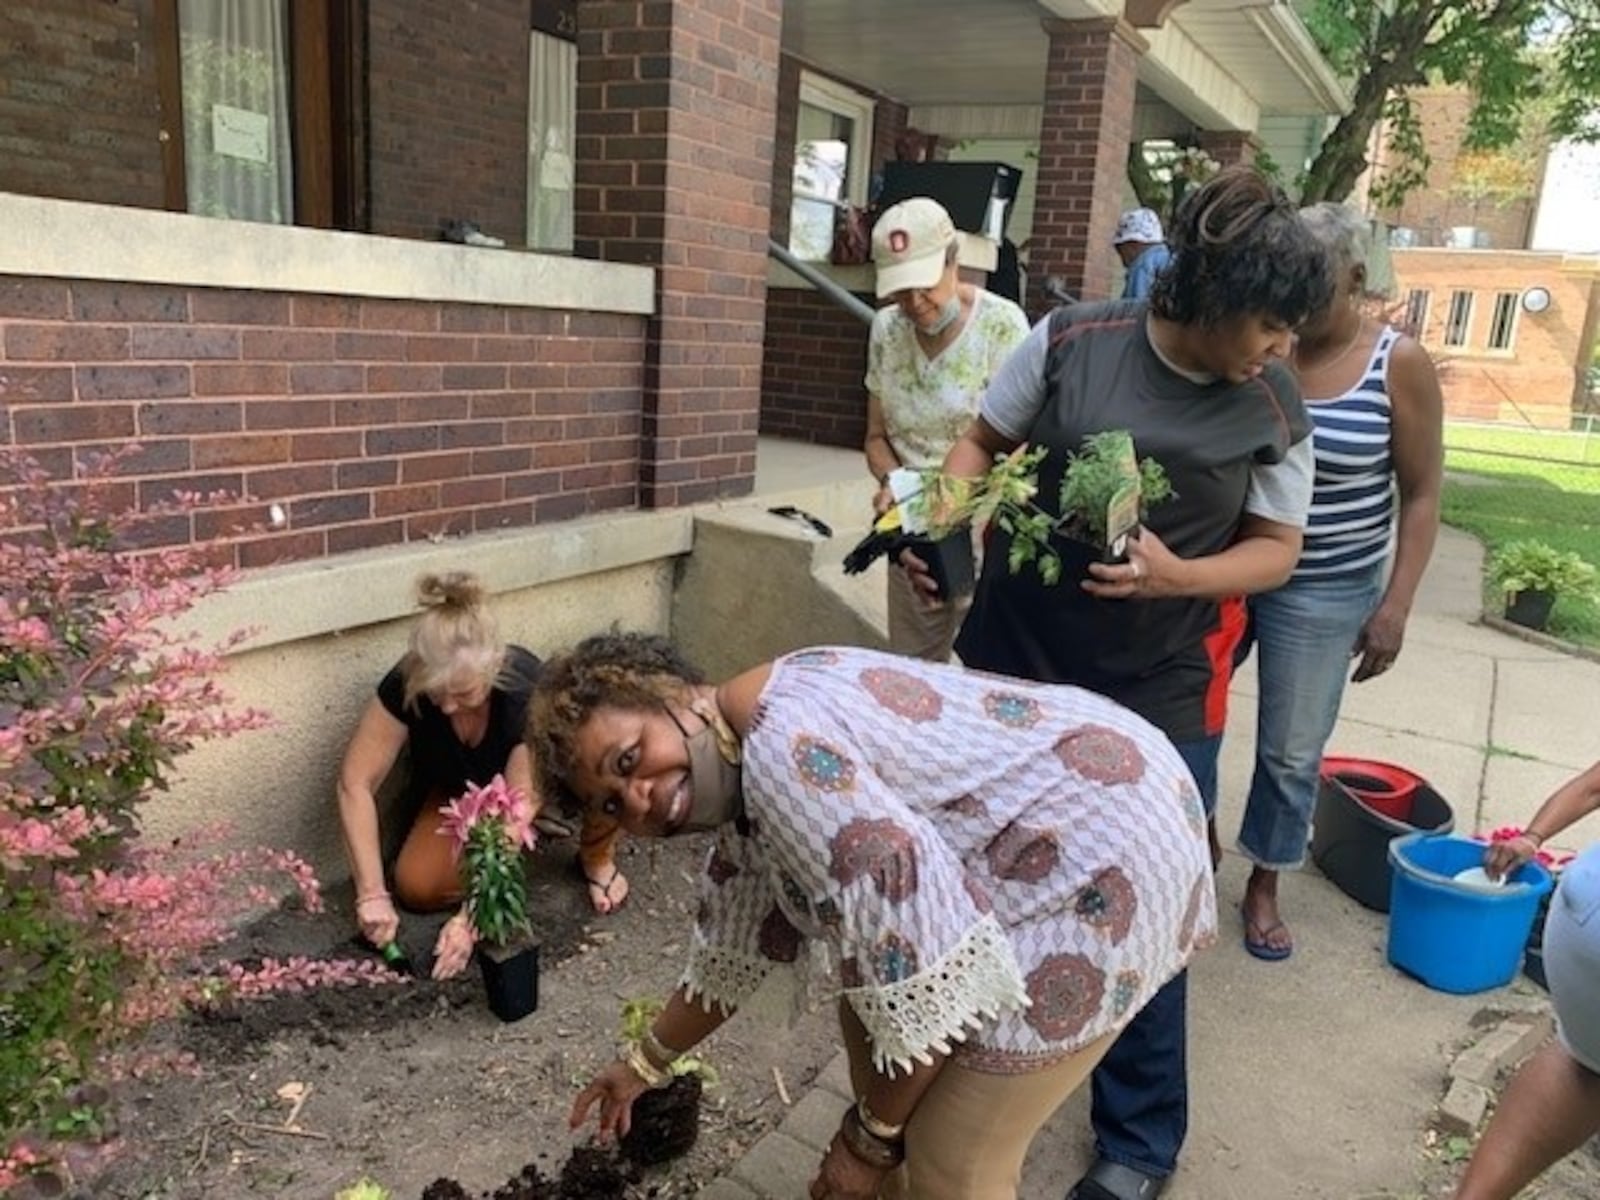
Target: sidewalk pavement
x,y
1316,1077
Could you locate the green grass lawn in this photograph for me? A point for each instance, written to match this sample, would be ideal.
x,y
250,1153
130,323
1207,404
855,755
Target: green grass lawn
x,y
1512,484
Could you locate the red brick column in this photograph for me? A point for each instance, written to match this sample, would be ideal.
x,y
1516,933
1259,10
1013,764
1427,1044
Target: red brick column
x,y
676,107
1230,146
1083,153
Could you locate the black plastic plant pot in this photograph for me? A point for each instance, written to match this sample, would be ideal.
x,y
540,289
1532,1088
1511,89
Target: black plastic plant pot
x,y
666,1122
950,562
511,979
1081,544
1531,608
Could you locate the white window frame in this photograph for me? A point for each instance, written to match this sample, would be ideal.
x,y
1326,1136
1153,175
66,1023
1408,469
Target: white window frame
x,y
845,101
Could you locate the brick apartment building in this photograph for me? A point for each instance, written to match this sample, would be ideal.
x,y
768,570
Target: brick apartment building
x,y
1516,327
1433,213
220,234
1513,330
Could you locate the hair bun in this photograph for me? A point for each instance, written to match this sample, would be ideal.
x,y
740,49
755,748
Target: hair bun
x,y
453,589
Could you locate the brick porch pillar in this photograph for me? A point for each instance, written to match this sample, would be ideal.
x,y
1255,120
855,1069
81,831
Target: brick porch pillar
x,y
1230,146
1083,153
676,103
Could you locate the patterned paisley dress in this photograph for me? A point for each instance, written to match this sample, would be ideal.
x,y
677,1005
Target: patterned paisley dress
x,y
987,867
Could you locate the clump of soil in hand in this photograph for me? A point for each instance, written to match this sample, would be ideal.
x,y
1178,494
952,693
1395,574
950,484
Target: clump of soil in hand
x,y
665,1122
445,1189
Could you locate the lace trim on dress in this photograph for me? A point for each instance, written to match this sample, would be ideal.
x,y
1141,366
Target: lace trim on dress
x,y
725,978
977,980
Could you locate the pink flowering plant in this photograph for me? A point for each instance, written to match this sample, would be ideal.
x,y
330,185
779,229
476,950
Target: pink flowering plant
x,y
489,828
102,935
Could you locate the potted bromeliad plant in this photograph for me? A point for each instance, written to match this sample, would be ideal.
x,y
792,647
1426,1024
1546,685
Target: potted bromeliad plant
x,y
1532,574
1106,491
666,1120
489,828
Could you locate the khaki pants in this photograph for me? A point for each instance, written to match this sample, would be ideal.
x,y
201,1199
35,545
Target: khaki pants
x,y
919,630
970,1132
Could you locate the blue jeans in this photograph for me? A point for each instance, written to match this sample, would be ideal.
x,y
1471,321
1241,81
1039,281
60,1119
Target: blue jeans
x,y
1304,634
1140,1089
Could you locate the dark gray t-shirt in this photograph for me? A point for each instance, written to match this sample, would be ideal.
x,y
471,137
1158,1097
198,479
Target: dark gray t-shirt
x,y
1227,448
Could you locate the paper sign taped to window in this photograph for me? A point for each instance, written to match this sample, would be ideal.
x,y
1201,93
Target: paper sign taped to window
x,y
240,133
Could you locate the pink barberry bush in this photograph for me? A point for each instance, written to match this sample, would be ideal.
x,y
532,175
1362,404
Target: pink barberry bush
x,y
102,934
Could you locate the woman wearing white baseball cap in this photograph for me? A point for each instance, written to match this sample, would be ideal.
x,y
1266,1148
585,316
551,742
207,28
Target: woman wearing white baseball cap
x,y
930,356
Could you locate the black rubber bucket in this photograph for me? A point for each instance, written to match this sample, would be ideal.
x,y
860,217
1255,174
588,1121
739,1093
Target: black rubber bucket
x,y
1350,841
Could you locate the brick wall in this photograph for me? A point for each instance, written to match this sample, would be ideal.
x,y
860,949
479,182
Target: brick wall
x,y
370,422
1090,76
676,108
816,356
1537,378
79,114
1433,209
448,97
1230,146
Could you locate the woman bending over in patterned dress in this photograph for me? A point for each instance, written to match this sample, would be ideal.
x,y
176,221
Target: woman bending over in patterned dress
x,y
1001,874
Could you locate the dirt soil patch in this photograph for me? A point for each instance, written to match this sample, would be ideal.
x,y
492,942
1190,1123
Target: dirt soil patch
x,y
418,1085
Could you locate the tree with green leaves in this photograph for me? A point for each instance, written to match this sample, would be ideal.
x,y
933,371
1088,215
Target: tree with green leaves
x,y
1512,54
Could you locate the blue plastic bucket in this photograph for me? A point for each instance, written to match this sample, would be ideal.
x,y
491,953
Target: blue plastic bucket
x,y
1451,936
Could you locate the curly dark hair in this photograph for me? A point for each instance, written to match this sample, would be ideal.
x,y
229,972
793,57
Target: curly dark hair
x,y
1238,247
608,670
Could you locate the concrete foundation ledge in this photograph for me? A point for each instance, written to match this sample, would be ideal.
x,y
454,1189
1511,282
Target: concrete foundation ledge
x,y
306,600
759,585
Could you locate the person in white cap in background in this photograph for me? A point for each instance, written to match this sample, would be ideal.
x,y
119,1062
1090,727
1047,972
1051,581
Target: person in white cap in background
x,y
1143,250
930,356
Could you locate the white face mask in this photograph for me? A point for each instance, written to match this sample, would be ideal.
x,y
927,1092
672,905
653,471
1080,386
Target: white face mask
x,y
716,788
948,315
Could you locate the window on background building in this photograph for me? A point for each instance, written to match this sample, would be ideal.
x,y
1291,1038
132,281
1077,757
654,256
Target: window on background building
x,y
1459,323
1503,324
552,123
1417,302
832,158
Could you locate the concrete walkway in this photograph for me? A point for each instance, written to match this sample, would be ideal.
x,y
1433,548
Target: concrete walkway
x,y
1314,1077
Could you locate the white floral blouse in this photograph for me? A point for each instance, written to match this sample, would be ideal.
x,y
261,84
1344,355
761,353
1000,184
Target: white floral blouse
x,y
929,402
999,869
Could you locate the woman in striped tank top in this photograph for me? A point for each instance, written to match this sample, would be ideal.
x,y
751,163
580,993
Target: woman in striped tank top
x,y
1373,397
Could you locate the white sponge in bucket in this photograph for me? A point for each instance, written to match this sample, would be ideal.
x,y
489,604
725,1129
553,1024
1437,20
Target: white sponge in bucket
x,y
1479,880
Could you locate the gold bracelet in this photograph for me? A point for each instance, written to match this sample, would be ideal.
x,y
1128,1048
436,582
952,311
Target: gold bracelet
x,y
653,1076
877,1127
658,1052
1535,837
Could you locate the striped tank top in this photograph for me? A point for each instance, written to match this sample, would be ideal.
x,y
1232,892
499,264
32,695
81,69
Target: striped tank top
x,y
1352,500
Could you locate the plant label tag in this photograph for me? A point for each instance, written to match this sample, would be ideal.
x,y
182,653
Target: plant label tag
x,y
1122,518
905,485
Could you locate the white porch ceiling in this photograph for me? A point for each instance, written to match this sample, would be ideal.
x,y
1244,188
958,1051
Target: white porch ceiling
x,y
1219,62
